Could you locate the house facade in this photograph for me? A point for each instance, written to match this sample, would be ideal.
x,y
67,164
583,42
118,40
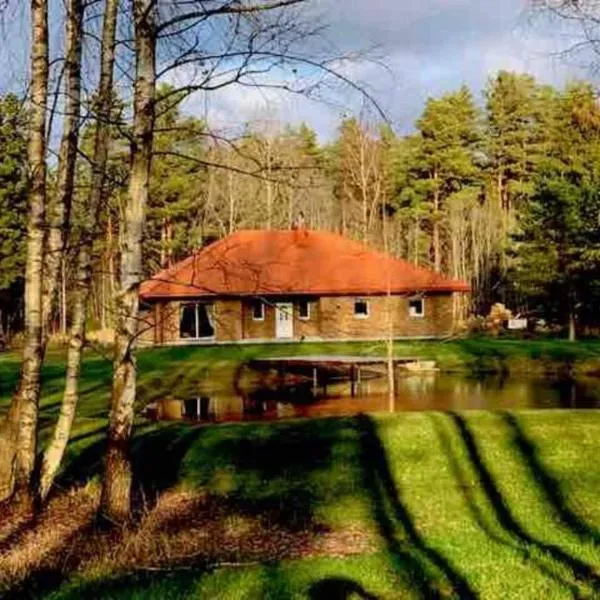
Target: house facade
x,y
263,286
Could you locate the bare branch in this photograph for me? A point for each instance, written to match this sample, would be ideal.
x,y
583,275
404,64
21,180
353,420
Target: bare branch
x,y
231,8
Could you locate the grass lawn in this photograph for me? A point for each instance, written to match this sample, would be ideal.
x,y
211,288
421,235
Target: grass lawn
x,y
457,505
465,505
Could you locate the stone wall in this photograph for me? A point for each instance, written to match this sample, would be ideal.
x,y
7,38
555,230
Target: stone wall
x,y
330,318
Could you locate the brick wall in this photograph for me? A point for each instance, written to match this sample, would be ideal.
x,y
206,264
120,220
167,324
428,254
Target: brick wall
x,y
330,318
258,330
337,319
228,320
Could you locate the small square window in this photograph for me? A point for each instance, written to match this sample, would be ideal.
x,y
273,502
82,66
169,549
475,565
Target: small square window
x,y
304,310
416,307
258,310
361,309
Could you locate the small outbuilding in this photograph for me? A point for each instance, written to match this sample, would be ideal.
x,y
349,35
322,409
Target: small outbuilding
x,y
263,286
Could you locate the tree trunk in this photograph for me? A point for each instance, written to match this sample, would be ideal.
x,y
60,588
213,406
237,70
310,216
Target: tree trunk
x,y
55,451
572,316
437,258
60,209
63,295
116,491
231,201
572,328
18,442
269,187
416,241
111,270
163,244
390,313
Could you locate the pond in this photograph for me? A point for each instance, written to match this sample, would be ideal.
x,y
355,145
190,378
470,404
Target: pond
x,y
418,392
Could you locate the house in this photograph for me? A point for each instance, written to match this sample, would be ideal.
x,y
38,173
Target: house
x,y
294,285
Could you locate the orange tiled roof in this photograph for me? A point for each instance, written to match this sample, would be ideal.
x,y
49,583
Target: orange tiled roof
x,y
253,263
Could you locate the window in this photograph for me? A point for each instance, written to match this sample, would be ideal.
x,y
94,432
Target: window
x,y
304,310
361,309
196,321
416,307
258,310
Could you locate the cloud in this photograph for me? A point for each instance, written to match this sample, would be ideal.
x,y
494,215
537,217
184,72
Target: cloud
x,y
430,47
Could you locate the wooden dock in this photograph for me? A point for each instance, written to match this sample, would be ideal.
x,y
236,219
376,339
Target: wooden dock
x,y
325,369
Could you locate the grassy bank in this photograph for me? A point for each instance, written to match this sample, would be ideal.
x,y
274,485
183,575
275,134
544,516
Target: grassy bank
x,y
178,371
475,505
167,368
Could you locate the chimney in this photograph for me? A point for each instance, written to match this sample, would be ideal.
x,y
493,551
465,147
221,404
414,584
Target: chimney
x,y
299,222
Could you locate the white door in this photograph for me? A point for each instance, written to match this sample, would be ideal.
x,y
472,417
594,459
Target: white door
x,y
284,320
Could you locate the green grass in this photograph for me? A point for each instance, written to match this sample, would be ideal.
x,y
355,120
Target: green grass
x,y
480,504
464,505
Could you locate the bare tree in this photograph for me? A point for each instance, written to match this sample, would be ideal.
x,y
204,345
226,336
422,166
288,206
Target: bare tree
x,y
116,488
54,452
221,43
59,209
581,19
361,173
18,443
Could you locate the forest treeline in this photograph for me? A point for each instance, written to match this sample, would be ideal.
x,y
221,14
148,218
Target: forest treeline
x,y
499,189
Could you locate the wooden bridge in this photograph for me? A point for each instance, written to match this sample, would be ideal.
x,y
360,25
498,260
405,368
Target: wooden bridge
x,y
325,369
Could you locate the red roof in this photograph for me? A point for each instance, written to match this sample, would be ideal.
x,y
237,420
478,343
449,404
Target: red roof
x,y
300,262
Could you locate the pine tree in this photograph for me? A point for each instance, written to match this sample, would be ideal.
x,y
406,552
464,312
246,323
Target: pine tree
x,y
13,190
449,132
559,244
176,185
514,137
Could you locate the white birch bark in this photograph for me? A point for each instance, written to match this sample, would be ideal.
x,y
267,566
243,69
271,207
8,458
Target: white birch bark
x,y
18,442
55,451
59,211
116,490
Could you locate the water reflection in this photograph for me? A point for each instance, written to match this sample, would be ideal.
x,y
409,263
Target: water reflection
x,y
420,392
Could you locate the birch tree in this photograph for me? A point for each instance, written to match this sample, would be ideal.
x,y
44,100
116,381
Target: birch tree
x,y
59,208
18,443
116,489
54,452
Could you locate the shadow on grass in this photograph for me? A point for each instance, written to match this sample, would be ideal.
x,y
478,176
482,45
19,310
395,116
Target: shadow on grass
x,y
504,514
273,469
161,584
48,574
548,485
338,588
428,569
268,474
157,457
488,525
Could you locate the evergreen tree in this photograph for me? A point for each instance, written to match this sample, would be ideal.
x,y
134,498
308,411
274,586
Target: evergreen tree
x,y
449,132
13,208
176,187
13,190
514,136
559,244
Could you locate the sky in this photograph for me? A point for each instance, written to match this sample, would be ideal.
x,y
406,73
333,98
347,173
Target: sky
x,y
417,49
428,47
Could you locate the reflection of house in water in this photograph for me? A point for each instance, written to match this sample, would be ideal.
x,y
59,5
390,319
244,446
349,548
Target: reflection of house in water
x,y
295,285
261,402
413,393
